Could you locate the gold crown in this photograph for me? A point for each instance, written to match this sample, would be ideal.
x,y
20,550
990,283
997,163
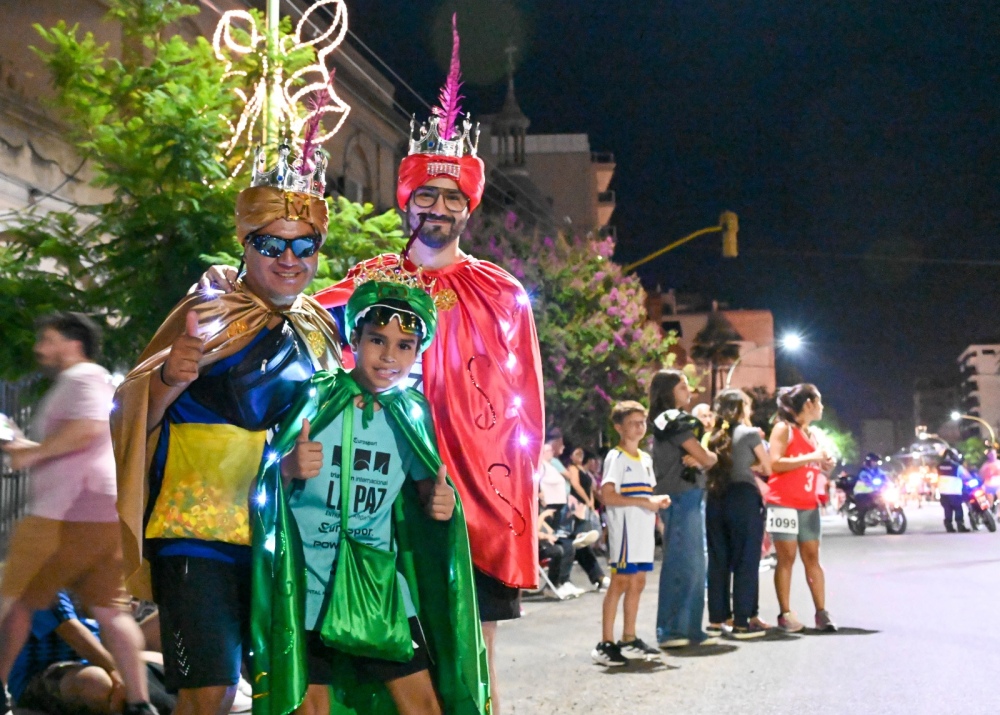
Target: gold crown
x,y
396,273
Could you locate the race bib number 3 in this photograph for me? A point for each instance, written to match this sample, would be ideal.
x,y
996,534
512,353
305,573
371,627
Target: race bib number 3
x,y
782,520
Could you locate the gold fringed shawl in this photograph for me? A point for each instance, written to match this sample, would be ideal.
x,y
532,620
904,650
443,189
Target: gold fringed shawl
x,y
227,323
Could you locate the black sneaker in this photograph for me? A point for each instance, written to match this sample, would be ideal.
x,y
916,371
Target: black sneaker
x,y
607,653
140,709
638,649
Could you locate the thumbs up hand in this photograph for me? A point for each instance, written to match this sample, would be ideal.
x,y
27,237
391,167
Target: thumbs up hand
x,y
306,459
181,367
441,504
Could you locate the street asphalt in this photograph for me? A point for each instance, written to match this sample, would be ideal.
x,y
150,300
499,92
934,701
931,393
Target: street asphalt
x,y
916,616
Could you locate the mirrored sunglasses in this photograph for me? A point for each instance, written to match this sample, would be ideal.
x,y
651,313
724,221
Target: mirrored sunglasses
x,y
382,315
273,246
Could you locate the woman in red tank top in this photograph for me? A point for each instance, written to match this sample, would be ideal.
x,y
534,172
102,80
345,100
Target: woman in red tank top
x,y
797,463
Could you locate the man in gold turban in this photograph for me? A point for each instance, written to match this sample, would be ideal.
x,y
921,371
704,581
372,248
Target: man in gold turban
x,y
190,423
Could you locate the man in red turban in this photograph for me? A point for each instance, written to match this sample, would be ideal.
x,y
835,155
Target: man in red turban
x,y
482,374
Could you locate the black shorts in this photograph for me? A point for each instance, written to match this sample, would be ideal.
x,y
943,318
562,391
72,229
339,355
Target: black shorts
x,y
204,619
321,660
497,601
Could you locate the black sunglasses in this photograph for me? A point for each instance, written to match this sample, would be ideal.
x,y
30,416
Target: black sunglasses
x,y
273,246
426,196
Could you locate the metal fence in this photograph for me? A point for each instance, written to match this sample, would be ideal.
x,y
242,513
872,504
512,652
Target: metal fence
x,y
16,401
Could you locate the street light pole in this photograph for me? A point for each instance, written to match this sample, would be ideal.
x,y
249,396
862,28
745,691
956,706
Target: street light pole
x,y
993,437
728,226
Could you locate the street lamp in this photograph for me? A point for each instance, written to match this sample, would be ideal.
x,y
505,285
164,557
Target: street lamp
x,y
789,341
728,227
956,416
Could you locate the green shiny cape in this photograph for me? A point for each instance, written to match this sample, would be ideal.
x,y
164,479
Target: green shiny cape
x,y
433,556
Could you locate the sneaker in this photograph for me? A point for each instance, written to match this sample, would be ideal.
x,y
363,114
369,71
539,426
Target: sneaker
x,y
568,590
638,649
140,709
675,643
748,632
603,584
585,538
707,640
824,623
5,700
243,701
789,623
714,629
608,653
760,624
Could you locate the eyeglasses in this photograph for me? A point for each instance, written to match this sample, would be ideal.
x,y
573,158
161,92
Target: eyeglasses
x,y
426,196
273,246
382,315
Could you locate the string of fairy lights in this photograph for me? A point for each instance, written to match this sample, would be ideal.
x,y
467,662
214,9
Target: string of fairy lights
x,y
272,92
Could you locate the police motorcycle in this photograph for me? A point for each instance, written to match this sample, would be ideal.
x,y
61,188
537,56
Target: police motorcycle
x,y
980,509
872,499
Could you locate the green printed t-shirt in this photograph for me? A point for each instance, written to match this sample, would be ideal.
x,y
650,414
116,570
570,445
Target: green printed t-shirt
x,y
382,460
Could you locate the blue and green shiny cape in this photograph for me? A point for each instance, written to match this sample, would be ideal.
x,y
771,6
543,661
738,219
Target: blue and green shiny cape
x,y
433,557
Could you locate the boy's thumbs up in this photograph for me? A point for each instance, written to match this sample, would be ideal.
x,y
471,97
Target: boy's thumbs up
x,y
442,499
305,461
304,434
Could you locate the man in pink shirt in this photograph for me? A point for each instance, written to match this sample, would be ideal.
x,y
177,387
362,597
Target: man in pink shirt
x,y
71,537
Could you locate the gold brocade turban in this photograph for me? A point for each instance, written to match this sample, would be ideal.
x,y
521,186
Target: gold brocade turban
x,y
258,206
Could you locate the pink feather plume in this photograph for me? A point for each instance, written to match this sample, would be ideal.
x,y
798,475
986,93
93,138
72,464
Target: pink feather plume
x,y
450,98
317,100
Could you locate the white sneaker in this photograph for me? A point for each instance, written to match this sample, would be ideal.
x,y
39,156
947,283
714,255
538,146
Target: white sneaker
x,y
675,643
585,538
603,584
568,590
243,702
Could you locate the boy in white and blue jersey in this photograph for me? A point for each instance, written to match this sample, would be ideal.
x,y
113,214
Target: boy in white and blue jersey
x,y
627,492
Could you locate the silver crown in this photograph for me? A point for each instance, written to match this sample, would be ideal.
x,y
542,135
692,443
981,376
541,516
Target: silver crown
x,y
428,141
286,175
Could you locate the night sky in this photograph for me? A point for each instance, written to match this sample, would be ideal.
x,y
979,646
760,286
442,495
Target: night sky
x,y
838,131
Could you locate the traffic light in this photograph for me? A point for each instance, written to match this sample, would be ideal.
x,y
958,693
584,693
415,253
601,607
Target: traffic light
x,y
730,225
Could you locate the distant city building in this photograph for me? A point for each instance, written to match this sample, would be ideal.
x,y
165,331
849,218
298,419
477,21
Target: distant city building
x,y
688,315
979,366
549,180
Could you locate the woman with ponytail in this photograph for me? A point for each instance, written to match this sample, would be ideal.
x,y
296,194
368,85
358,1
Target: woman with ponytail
x,y
734,520
793,506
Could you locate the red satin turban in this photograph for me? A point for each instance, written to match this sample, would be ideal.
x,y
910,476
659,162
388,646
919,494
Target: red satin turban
x,y
469,173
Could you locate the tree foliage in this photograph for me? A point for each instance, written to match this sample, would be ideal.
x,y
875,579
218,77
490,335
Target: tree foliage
x,y
974,450
150,125
596,345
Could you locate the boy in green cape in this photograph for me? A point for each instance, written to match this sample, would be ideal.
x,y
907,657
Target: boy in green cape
x,y
397,499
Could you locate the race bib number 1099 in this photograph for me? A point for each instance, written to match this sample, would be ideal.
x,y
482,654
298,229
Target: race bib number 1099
x,y
782,520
